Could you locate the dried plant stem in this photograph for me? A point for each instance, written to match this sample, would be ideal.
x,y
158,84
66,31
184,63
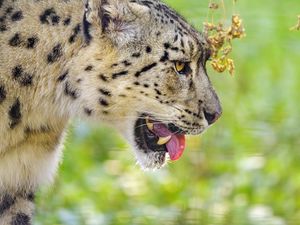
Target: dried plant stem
x,y
220,37
297,26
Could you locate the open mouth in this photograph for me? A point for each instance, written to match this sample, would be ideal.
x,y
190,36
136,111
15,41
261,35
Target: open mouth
x,y
152,135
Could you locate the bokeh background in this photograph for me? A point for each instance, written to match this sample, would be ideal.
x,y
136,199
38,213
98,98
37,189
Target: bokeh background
x,y
245,170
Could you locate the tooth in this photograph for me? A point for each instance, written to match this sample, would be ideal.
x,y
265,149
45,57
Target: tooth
x,y
164,140
149,125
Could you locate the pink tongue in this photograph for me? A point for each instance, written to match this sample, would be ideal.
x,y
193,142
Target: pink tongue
x,y
176,144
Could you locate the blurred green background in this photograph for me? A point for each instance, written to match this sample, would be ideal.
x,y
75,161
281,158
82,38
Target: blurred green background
x,y
245,170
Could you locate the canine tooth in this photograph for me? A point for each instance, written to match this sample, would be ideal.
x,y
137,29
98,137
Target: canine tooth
x,y
149,125
163,140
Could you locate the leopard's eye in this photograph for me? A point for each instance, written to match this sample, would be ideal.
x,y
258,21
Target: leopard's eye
x,y
182,68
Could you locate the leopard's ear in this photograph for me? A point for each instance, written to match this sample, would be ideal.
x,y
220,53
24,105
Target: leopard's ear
x,y
119,20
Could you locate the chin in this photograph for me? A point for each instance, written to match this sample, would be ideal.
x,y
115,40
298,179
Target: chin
x,y
151,160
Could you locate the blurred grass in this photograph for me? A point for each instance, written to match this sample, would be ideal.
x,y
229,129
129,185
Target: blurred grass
x,y
243,171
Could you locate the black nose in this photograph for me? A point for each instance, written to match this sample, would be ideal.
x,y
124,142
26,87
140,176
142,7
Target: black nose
x,y
211,117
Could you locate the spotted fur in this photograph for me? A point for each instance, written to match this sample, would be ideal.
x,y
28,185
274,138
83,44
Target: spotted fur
x,y
102,60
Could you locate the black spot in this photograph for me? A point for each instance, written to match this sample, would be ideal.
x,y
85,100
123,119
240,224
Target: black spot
x,y
20,219
26,80
17,72
2,94
167,45
175,49
67,21
86,29
105,19
186,122
146,85
188,111
103,102
88,68
157,91
15,114
48,16
31,42
55,19
30,196
1,2
103,77
28,131
148,49
191,84
136,83
195,114
136,55
3,27
63,76
176,38
76,31
55,54
145,69
155,85
126,63
165,57
105,92
147,3
181,43
70,92
45,15
114,65
15,40
122,73
17,16
88,111
9,10
6,202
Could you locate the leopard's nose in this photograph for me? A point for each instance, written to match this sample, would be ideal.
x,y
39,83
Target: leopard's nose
x,y
212,117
